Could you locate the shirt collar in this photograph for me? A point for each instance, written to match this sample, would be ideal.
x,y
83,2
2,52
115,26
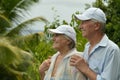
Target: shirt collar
x,y
102,43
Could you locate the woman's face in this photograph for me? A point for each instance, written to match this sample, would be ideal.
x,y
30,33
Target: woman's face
x,y
59,41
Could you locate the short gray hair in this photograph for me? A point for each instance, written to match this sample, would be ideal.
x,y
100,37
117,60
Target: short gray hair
x,y
101,23
72,42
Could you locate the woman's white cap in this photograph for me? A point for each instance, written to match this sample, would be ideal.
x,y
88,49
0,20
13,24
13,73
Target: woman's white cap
x,y
66,30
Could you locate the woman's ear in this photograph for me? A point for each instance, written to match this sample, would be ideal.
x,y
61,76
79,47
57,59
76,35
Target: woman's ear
x,y
68,42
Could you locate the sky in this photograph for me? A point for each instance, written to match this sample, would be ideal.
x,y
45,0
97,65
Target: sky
x,y
63,8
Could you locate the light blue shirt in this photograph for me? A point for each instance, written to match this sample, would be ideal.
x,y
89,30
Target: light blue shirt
x,y
104,59
64,70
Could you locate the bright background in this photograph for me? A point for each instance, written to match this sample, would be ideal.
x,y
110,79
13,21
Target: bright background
x,y
63,8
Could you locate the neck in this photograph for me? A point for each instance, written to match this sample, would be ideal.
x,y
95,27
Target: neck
x,y
95,39
64,51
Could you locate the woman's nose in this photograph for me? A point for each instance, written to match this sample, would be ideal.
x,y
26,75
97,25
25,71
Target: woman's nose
x,y
53,38
80,27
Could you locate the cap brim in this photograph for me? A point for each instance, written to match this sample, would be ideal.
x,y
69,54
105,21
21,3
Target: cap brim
x,y
81,17
52,31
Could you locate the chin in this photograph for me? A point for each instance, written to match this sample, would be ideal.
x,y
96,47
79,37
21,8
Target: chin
x,y
83,35
55,47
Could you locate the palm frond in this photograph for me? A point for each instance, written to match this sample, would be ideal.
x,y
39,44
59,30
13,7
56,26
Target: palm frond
x,y
24,24
20,9
9,8
8,53
12,58
4,24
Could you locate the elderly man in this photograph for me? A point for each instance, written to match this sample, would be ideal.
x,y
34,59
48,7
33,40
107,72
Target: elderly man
x,y
101,58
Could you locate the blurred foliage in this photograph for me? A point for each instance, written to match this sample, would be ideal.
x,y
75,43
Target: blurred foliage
x,y
40,48
13,61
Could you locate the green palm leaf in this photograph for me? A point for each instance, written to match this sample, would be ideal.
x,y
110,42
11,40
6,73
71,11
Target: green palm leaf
x,y
10,7
11,58
24,24
4,24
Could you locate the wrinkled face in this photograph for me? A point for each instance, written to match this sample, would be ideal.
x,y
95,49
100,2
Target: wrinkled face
x,y
88,28
59,41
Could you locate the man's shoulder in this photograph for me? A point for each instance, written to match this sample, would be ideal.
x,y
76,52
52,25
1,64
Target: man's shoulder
x,y
113,45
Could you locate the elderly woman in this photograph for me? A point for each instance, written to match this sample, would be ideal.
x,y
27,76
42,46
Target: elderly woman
x,y
58,66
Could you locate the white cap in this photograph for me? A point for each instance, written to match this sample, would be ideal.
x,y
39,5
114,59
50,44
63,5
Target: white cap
x,y
66,30
92,13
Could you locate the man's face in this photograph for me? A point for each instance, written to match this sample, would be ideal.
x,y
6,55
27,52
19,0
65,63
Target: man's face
x,y
87,27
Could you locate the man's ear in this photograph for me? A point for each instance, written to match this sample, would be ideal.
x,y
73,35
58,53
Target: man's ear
x,y
97,26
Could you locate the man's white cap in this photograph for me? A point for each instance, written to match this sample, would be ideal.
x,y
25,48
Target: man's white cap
x,y
66,30
92,13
